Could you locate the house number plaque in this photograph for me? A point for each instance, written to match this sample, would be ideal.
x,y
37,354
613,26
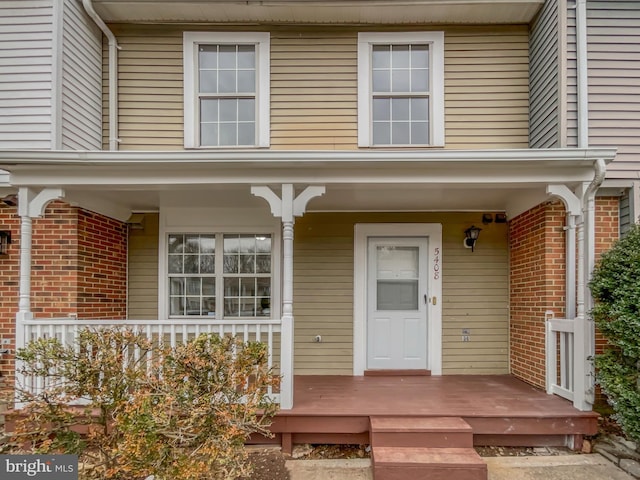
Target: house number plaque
x,y
436,264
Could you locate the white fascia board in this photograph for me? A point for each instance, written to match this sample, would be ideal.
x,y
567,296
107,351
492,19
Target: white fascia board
x,y
5,178
10,158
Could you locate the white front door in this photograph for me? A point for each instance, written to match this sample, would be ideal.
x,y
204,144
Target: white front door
x,y
397,302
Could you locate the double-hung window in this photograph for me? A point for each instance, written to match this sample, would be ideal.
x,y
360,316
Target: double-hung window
x,y
225,276
226,85
401,89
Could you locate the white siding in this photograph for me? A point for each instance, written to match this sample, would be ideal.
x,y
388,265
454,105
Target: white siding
x,y
81,80
26,31
544,80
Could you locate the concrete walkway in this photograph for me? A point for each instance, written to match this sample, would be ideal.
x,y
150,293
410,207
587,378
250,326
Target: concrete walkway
x,y
565,467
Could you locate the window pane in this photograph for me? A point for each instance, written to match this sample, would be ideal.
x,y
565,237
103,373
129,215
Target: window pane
x,y
382,133
193,306
231,244
209,134
209,110
264,287
209,306
230,264
176,286
231,287
191,264
419,80
400,56
419,56
397,295
246,109
400,81
176,306
193,286
207,263
381,109
419,109
231,307
400,133
175,263
192,243
263,263
246,81
208,286
176,243
227,56
207,244
381,81
228,134
247,307
264,307
208,56
419,133
246,134
247,264
227,81
400,109
248,287
248,244
381,56
263,243
208,81
228,110
246,56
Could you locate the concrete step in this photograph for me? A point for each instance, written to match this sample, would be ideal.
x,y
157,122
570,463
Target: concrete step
x,y
434,432
403,463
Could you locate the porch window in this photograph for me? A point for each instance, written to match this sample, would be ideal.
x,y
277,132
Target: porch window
x,y
219,275
400,89
226,81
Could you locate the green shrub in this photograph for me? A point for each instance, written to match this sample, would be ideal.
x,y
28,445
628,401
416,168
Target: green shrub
x,y
615,286
182,412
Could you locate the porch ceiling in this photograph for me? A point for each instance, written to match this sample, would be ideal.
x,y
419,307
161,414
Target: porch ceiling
x,y
116,183
319,11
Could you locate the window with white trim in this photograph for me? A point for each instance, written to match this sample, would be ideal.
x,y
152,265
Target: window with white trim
x,y
401,89
226,89
220,275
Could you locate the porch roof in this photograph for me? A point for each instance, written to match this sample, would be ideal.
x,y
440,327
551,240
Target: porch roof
x,y
319,11
116,183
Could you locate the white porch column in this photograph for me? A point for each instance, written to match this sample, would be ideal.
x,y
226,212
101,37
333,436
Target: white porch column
x,y
31,204
287,208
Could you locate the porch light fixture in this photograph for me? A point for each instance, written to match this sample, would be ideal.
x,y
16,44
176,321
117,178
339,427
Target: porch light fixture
x,y
5,241
471,235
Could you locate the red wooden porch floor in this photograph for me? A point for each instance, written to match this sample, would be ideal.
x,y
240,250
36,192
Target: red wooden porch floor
x,y
501,409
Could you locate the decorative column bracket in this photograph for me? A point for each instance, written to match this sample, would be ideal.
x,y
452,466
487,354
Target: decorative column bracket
x,y
287,208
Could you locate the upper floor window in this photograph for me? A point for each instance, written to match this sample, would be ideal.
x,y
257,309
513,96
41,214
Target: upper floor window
x,y
226,89
401,89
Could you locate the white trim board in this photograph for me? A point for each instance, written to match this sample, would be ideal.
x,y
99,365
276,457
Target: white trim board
x,y
434,328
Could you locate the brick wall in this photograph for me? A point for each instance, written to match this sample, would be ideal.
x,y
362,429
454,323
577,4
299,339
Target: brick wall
x,y
607,232
537,257
78,266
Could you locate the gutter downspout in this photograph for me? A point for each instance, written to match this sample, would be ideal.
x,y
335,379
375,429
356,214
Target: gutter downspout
x,y
113,73
582,79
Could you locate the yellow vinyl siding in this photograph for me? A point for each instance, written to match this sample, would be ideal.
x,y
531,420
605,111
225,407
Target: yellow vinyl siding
x,y
314,88
143,270
475,292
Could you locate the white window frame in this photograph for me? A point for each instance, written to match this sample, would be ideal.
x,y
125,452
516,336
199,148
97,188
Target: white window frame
x,y
191,41
435,40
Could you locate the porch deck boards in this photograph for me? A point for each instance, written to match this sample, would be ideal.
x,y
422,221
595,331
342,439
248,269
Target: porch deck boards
x,y
500,409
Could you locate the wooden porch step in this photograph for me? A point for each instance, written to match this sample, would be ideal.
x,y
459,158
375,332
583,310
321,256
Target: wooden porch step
x,y
402,463
442,432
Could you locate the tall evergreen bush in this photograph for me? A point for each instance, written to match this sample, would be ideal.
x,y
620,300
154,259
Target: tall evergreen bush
x,y
615,286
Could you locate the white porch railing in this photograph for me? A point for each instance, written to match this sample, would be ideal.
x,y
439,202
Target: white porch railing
x,y
167,332
560,355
